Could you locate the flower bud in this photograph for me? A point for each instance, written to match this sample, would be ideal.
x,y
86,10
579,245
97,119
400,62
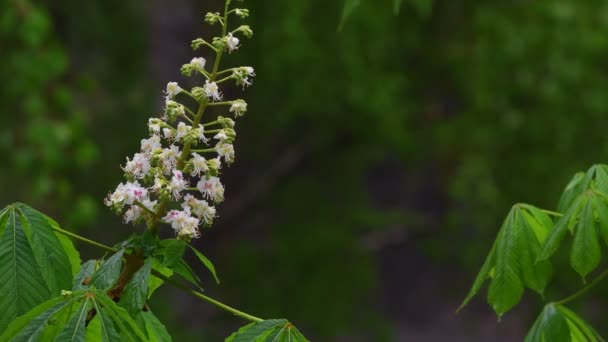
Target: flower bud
x,y
225,122
246,30
212,18
173,110
241,13
197,43
199,94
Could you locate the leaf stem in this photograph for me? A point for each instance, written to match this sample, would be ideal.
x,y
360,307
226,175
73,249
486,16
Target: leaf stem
x,y
582,291
553,213
83,239
208,299
170,281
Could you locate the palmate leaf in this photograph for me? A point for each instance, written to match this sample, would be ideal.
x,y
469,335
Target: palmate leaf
x,y
35,261
587,220
136,291
511,264
154,328
75,330
65,319
84,275
558,323
206,262
595,178
272,330
30,326
107,274
154,283
172,251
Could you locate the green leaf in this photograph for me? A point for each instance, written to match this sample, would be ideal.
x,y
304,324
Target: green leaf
x,y
68,246
511,264
106,327
75,330
254,332
107,275
173,251
558,323
557,234
31,325
155,329
549,326
241,330
586,252
86,271
586,218
136,292
347,10
186,272
481,276
53,261
595,178
21,282
602,216
205,262
155,282
121,318
578,327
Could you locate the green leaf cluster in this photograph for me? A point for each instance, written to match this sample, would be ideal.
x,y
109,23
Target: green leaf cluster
x,y
83,315
271,330
556,323
585,206
35,262
511,264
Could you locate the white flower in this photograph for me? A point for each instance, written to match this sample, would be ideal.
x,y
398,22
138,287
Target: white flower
x,y
138,167
158,184
149,145
127,194
171,215
168,158
199,165
200,133
232,42
173,89
168,133
182,130
249,70
132,214
183,223
189,228
242,75
178,184
149,204
211,189
200,208
221,136
154,126
199,63
239,107
212,90
226,151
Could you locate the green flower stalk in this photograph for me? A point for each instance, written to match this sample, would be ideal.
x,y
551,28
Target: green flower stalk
x,y
174,178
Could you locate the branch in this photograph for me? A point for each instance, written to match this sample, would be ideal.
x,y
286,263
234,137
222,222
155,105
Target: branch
x,y
167,279
582,291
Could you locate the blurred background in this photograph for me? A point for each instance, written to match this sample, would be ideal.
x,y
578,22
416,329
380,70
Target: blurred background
x,y
374,167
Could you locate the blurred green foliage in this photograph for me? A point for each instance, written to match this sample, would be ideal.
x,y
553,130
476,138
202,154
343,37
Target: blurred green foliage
x,y
470,106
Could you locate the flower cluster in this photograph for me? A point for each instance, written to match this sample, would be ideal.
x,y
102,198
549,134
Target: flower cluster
x,y
174,178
